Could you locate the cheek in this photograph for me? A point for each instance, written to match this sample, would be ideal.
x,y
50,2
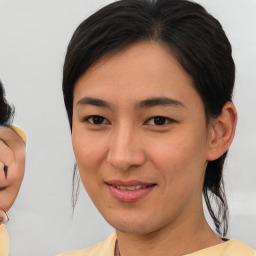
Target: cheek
x,y
181,164
180,157
86,148
90,153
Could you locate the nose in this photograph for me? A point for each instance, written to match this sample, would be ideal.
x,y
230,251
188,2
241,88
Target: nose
x,y
125,149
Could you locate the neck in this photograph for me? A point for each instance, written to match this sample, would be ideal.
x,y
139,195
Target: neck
x,y
172,240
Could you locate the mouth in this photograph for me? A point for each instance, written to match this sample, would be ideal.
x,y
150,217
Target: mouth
x,y
129,191
130,188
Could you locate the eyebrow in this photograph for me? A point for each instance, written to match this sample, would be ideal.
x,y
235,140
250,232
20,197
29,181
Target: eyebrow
x,y
160,101
93,101
151,102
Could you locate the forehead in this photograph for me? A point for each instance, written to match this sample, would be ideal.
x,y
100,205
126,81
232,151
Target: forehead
x,y
145,69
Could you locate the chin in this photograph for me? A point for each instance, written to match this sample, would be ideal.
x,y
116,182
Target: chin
x,y
134,225
128,229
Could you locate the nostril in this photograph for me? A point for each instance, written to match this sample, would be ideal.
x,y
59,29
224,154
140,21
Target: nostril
x,y
125,150
126,160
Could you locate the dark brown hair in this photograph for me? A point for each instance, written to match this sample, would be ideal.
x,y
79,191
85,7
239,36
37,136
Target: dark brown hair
x,y
6,110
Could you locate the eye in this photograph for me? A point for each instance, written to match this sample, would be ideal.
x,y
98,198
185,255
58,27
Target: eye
x,y
159,120
96,120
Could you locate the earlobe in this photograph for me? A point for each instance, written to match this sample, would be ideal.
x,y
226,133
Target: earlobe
x,y
222,131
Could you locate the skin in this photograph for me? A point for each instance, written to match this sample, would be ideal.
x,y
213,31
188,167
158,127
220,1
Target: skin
x,y
12,150
128,144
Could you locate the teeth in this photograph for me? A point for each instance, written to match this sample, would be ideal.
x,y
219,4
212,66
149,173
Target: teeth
x,y
130,188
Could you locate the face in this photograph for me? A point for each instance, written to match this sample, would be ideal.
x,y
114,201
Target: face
x,y
140,139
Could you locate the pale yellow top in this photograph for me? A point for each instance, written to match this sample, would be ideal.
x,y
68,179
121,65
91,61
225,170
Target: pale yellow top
x,y
20,132
106,248
4,241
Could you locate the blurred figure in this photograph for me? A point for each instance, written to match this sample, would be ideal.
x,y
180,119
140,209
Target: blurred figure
x,y
12,166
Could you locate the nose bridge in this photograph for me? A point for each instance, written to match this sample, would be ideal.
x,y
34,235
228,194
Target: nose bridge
x,y
125,147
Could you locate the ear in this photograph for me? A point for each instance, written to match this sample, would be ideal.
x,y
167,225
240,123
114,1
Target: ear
x,y
221,132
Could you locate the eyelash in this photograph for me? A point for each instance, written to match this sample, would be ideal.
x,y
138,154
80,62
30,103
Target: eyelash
x,y
160,118
87,119
163,120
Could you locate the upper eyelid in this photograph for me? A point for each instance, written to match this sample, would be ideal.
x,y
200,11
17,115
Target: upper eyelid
x,y
167,118
86,118
91,116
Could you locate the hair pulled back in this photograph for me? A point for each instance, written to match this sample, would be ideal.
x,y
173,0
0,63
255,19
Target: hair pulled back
x,y
193,36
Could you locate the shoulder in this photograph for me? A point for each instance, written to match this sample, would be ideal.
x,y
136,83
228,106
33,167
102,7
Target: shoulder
x,y
4,240
229,248
237,248
104,248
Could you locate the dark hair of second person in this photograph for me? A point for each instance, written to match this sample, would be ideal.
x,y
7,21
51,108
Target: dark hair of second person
x,y
6,110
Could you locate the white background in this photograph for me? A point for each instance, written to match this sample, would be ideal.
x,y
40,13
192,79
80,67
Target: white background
x,y
33,39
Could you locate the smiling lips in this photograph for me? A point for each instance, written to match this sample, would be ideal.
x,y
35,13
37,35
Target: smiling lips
x,y
129,191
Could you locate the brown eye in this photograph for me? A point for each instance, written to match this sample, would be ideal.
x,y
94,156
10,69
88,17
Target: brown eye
x,y
97,120
159,120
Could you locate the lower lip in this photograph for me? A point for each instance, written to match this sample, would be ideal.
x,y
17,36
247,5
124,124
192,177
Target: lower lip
x,y
129,195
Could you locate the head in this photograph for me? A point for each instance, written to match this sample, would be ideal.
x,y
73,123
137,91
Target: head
x,y
192,37
12,157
